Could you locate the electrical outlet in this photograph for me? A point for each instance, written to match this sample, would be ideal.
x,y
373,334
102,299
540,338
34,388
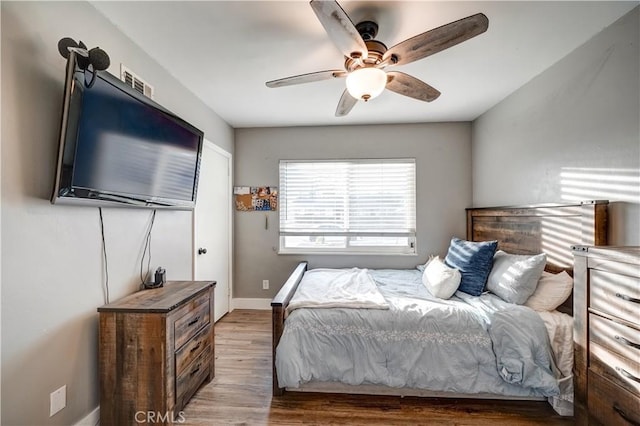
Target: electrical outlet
x,y
58,400
265,284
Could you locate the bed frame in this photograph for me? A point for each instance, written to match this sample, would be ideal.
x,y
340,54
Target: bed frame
x,y
550,228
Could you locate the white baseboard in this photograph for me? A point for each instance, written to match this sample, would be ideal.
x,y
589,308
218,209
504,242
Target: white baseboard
x,y
92,419
246,303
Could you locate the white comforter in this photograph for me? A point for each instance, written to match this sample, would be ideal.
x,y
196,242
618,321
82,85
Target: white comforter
x,y
337,288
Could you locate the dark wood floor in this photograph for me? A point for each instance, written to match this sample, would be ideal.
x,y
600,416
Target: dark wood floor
x,y
241,393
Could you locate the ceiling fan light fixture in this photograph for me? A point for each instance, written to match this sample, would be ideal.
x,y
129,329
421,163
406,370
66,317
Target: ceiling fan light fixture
x,y
366,83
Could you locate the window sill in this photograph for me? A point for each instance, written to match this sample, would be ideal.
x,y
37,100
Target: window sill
x,y
343,253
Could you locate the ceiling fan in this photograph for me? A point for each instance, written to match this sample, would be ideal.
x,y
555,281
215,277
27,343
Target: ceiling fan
x,y
366,57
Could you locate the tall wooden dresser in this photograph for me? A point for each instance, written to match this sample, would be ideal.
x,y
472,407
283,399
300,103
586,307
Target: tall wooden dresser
x,y
607,335
156,348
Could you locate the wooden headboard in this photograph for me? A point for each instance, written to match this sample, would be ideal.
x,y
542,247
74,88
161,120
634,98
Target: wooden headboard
x,y
546,228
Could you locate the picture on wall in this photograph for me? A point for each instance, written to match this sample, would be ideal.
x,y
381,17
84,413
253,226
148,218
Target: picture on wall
x,y
256,198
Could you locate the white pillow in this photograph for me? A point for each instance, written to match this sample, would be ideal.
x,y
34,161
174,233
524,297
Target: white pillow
x,y
514,277
552,291
441,280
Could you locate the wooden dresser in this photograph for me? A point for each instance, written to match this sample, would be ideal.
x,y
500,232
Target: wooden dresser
x,y
156,347
607,335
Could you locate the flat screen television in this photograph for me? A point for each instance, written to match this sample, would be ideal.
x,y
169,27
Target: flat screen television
x,y
119,148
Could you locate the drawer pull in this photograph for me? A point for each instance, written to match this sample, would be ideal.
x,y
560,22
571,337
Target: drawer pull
x,y
195,348
627,298
196,370
628,375
627,342
624,415
193,321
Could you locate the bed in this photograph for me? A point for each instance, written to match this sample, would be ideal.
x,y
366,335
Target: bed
x,y
410,343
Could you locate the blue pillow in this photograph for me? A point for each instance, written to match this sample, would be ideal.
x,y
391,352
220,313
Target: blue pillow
x,y
474,261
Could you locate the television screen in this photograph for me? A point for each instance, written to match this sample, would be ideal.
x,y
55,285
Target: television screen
x,y
118,147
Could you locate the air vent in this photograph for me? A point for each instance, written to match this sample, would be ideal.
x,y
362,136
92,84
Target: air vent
x,y
131,79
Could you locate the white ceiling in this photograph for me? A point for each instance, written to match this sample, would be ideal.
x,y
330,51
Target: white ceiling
x,y
225,51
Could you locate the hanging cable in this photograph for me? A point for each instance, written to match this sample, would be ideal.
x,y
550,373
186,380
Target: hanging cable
x,y
147,247
104,257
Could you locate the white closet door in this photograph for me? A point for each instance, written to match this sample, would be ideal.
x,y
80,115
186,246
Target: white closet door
x,y
212,225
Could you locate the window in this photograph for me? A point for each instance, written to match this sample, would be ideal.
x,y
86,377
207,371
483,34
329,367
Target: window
x,y
348,206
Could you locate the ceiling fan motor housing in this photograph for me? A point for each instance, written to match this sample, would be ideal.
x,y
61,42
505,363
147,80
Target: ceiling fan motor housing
x,y
375,48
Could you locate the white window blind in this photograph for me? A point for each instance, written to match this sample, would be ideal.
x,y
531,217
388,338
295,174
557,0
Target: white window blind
x,y
348,206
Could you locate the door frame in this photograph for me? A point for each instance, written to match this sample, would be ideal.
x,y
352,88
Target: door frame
x,y
194,252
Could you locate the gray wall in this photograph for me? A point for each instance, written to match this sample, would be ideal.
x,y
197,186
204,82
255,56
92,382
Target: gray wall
x,y
52,279
571,133
443,157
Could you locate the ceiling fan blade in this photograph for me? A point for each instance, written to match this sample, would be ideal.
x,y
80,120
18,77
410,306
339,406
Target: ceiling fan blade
x,y
407,85
340,28
346,104
437,39
306,78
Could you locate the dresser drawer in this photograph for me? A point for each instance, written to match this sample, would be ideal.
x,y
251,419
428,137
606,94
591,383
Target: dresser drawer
x,y
192,377
615,337
190,319
621,371
192,349
610,405
615,294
